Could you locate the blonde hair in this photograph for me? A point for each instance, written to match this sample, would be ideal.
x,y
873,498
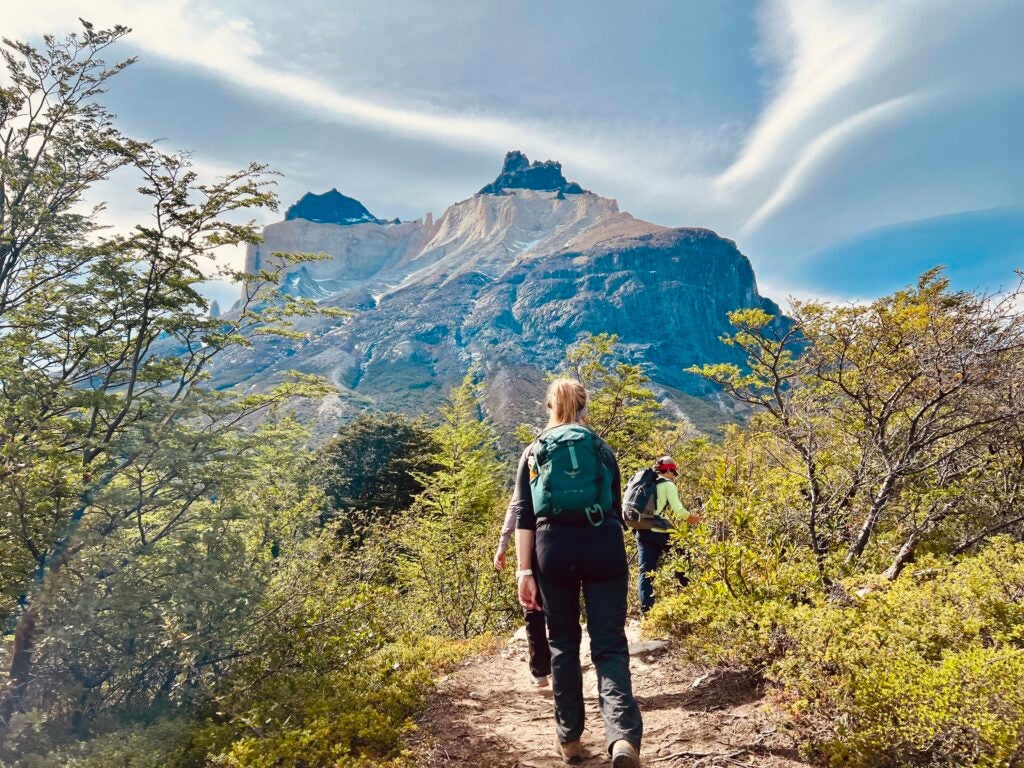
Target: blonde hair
x,y
567,400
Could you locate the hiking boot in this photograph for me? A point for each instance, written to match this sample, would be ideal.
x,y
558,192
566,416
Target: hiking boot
x,y
571,751
540,681
625,755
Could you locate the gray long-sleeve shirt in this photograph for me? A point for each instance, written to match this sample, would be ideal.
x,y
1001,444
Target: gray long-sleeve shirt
x,y
506,529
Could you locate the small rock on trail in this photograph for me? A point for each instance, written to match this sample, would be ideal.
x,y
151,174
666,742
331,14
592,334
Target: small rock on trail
x,y
486,713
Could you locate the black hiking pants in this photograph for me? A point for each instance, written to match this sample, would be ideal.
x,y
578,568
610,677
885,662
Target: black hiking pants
x,y
651,546
575,559
537,640
537,634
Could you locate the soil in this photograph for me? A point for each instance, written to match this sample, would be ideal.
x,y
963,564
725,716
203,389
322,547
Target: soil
x,y
487,713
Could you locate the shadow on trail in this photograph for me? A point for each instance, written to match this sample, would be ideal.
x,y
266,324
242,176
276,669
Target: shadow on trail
x,y
720,690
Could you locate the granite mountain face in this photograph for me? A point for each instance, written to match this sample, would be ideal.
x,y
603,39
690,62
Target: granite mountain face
x,y
507,279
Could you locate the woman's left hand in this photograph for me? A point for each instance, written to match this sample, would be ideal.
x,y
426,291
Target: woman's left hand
x,y
528,593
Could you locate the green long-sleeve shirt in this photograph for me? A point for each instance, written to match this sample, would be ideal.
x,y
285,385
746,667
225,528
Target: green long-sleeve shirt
x,y
668,499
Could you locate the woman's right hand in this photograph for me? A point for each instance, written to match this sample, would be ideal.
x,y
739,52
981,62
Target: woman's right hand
x,y
528,593
499,561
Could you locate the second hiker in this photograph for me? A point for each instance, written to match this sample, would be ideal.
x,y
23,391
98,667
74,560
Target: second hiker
x,y
654,542
536,629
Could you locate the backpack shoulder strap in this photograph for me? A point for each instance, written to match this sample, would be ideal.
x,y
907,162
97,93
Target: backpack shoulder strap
x,y
604,450
541,444
536,449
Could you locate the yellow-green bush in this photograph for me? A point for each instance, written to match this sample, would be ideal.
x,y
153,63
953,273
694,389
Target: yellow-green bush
x,y
967,709
170,741
741,589
330,678
357,717
928,670
351,718
337,678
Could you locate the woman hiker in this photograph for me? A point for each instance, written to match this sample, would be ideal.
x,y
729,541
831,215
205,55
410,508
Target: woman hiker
x,y
569,517
536,629
653,543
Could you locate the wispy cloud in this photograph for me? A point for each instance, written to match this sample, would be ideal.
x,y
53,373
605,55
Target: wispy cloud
x,y
819,48
788,182
853,69
229,48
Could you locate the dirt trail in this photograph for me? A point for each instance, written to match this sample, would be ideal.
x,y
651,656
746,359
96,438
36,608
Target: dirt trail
x,y
486,713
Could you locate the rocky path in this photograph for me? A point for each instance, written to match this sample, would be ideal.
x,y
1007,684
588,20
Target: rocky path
x,y
487,714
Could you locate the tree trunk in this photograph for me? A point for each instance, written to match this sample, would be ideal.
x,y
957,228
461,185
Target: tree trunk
x,y
877,506
25,633
21,666
904,556
814,498
818,548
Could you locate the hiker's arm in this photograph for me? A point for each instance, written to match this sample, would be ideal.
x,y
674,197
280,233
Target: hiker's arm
x,y
527,584
522,506
680,512
506,534
522,500
524,549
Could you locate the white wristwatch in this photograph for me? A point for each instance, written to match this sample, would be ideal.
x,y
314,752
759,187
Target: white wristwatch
x,y
524,572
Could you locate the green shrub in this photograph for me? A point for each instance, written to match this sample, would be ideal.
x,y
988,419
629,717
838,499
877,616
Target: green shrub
x,y
741,589
348,718
333,678
353,717
167,742
928,670
967,709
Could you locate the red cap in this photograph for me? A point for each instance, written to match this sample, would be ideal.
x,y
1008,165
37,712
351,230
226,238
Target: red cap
x,y
666,464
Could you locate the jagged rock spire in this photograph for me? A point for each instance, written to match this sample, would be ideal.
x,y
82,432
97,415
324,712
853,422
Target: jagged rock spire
x,y
517,172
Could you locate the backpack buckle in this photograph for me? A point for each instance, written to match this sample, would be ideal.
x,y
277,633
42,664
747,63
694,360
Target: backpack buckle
x,y
595,509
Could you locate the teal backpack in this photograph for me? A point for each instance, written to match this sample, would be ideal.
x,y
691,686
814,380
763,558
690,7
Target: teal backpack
x,y
569,480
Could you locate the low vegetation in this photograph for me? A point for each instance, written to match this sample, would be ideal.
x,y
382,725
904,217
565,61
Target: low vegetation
x,y
864,553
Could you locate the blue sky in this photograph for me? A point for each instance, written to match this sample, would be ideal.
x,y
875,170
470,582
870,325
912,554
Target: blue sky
x,y
846,146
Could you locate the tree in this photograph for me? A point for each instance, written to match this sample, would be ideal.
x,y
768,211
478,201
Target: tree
x,y
449,534
168,565
56,141
371,469
929,372
795,418
106,426
621,408
887,411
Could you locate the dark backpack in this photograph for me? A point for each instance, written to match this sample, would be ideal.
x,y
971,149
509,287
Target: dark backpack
x,y
569,481
640,501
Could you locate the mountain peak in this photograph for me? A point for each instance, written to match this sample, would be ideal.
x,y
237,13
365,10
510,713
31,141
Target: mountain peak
x,y
517,172
331,208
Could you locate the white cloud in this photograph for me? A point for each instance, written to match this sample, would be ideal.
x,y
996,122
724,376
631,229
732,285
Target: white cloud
x,y
820,48
229,48
848,69
793,179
